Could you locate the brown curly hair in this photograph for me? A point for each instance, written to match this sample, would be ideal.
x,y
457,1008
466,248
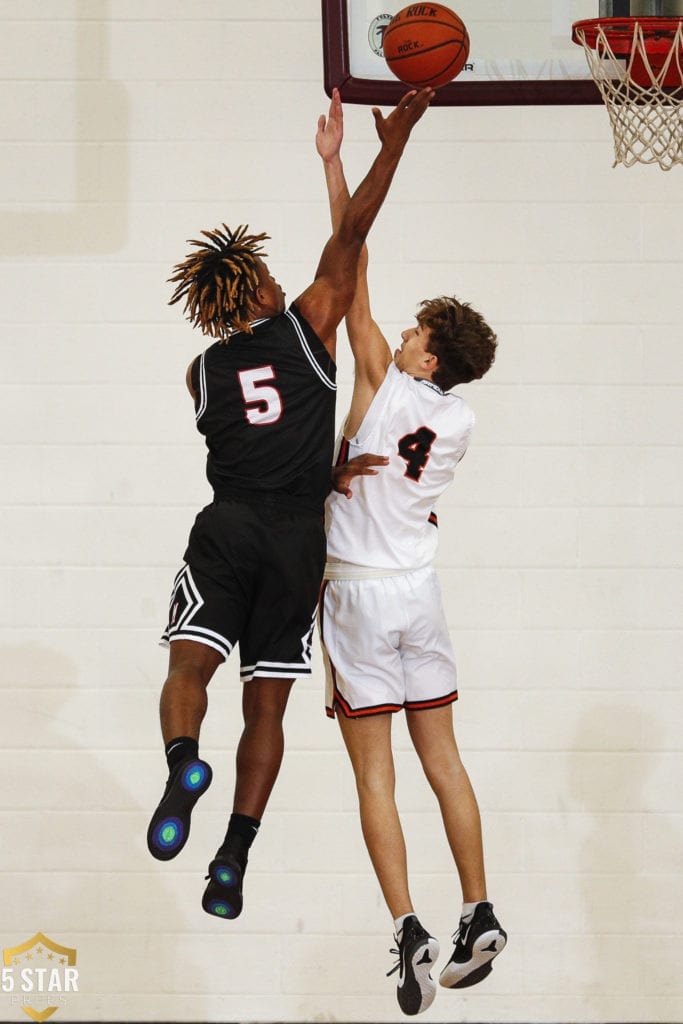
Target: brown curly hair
x,y
219,280
459,337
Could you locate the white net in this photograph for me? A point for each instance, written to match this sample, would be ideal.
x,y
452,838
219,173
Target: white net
x,y
646,115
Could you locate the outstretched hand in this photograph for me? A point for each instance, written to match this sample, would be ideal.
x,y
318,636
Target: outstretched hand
x,y
360,466
395,129
328,138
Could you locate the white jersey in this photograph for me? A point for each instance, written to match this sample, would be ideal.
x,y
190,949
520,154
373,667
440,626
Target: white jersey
x,y
390,522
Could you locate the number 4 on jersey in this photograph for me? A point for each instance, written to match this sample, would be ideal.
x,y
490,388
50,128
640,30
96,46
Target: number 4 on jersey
x,y
415,449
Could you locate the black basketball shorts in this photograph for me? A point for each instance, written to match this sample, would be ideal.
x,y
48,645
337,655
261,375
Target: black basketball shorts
x,y
251,577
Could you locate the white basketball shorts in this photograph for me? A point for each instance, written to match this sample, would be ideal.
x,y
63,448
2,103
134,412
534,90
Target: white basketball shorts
x,y
386,644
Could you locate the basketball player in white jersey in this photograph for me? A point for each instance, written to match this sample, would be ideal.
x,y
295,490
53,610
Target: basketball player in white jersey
x,y
384,635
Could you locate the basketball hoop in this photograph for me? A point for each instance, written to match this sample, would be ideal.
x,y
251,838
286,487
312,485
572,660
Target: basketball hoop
x,y
637,64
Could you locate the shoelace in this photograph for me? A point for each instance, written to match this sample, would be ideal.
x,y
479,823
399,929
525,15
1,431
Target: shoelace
x,y
396,952
463,926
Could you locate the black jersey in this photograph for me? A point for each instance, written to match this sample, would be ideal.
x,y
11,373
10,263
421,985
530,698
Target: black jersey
x,y
265,403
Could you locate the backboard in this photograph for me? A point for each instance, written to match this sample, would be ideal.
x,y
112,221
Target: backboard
x,y
521,50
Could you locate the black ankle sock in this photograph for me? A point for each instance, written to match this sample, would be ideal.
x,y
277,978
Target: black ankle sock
x,y
240,835
182,748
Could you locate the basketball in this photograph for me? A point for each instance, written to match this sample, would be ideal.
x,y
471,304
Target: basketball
x,y
426,45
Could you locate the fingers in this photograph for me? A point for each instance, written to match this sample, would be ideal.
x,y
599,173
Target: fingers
x,y
336,114
362,465
405,100
369,459
336,110
419,101
415,102
405,114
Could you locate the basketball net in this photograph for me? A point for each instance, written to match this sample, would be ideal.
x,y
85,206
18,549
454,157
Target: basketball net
x,y
646,115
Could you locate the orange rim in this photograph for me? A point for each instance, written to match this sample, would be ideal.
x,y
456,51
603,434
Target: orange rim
x,y
658,33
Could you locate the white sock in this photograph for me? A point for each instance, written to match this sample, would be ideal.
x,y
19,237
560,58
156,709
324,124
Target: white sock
x,y
398,924
468,910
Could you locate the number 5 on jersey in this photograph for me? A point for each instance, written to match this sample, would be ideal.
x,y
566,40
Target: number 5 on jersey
x,y
415,449
262,403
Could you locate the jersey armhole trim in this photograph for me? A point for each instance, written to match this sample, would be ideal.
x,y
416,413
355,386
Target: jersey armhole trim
x,y
291,315
201,408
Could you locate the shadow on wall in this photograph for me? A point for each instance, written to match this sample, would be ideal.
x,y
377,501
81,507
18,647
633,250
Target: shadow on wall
x,y
75,813
91,222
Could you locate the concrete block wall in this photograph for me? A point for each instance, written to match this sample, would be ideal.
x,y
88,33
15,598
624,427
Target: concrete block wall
x,y
127,127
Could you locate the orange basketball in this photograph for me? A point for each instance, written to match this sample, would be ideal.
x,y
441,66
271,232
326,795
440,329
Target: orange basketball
x,y
426,45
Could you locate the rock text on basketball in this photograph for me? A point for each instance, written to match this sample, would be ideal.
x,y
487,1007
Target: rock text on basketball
x,y
421,11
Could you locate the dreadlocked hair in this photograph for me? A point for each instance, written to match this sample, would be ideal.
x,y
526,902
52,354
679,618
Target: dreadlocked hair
x,y
218,281
460,338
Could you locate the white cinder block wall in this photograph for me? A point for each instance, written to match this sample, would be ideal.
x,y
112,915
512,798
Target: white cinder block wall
x,y
129,125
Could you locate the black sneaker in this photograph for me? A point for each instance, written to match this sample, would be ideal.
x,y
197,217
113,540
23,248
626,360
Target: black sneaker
x,y
170,825
223,895
417,952
476,945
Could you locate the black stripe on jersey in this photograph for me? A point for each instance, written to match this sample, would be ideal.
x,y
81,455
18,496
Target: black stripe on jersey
x,y
433,519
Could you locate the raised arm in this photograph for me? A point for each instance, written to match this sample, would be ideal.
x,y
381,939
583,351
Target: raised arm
x,y
325,302
370,349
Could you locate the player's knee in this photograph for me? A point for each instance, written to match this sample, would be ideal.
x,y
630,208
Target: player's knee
x,y
375,781
192,664
266,699
191,671
446,775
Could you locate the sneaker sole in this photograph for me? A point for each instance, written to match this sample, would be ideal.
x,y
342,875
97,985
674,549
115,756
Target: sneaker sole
x,y
170,825
419,988
223,895
484,950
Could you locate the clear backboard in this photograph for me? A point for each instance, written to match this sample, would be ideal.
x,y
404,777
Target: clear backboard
x,y
521,50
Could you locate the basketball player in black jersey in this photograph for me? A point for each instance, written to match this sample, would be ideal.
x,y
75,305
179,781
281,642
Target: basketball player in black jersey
x,y
264,399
